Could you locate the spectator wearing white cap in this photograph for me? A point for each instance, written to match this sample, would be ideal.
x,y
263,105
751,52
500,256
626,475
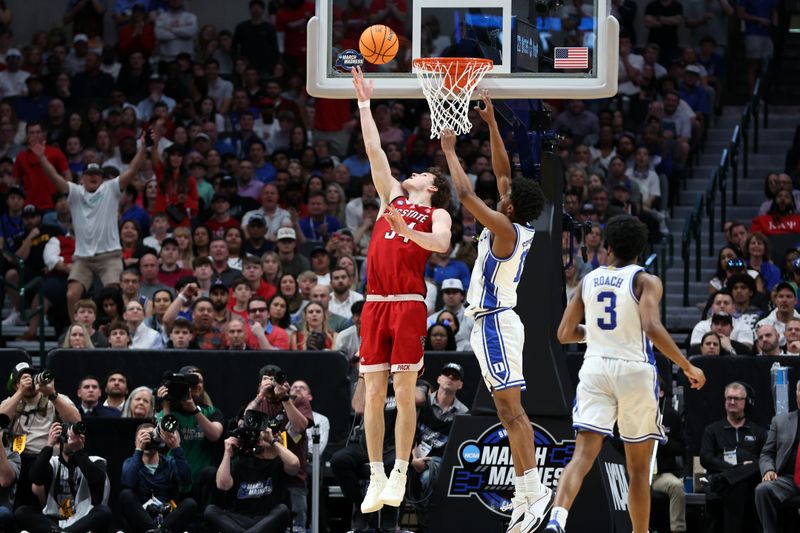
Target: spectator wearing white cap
x,y
291,262
453,295
12,80
76,59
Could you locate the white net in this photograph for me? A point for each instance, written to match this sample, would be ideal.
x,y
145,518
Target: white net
x,y
448,84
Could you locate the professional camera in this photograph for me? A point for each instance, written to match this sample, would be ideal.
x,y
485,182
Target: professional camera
x,y
45,377
79,428
316,341
178,385
249,433
169,424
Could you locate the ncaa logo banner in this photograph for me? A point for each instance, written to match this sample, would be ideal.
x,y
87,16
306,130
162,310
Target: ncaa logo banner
x,y
487,470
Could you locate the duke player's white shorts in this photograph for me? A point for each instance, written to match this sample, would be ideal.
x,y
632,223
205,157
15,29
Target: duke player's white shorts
x,y
497,340
621,391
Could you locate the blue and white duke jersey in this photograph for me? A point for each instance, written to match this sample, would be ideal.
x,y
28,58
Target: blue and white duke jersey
x,y
494,281
613,325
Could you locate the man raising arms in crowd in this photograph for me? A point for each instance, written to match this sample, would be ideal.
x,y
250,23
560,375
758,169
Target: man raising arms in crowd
x,y
393,320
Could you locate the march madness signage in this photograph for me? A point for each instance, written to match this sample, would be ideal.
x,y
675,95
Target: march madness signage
x,y
486,469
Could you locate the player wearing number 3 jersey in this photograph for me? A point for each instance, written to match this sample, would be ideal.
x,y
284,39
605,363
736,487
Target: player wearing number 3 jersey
x,y
618,382
393,320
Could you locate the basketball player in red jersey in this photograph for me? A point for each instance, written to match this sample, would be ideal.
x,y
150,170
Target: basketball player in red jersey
x,y
412,225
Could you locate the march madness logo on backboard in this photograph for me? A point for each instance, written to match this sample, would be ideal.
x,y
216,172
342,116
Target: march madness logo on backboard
x,y
487,469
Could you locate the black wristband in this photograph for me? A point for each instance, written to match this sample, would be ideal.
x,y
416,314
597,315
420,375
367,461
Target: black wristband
x,y
53,397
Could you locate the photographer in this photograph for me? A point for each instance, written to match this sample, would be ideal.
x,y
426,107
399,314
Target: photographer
x,y
71,485
152,478
9,471
292,415
199,422
32,408
259,482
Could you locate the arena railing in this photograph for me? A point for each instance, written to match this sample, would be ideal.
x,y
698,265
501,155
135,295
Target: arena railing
x,y
735,154
33,286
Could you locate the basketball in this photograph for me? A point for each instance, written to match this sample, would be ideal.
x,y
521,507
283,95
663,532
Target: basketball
x,y
378,44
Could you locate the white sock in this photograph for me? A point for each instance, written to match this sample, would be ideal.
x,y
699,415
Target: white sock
x,y
401,466
520,487
532,482
376,469
559,514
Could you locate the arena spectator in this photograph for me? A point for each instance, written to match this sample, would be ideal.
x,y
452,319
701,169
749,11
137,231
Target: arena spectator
x,y
142,337
13,78
276,217
785,302
782,217
777,464
219,253
743,290
31,175
710,344
116,390
119,336
577,119
139,404
348,341
343,295
175,30
181,335
760,18
291,262
453,297
440,337
354,208
321,294
757,253
256,243
149,267
729,452
159,305
722,302
153,476
773,183
768,342
433,431
314,332
89,396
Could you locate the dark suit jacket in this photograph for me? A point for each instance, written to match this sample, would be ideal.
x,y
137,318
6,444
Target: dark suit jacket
x,y
101,411
775,453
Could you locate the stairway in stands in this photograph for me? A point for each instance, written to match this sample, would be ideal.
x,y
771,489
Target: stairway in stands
x,y
773,143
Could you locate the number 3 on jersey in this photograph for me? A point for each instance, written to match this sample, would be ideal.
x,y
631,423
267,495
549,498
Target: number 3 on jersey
x,y
392,234
610,321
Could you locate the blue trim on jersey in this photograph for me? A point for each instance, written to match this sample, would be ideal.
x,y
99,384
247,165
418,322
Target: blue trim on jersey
x,y
490,270
519,383
517,240
631,286
491,312
593,429
492,347
651,358
650,436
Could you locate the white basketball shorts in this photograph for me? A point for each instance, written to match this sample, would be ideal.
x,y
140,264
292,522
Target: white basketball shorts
x,y
617,390
497,340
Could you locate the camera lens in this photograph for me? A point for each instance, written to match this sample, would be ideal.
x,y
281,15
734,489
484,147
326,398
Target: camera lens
x,y
169,423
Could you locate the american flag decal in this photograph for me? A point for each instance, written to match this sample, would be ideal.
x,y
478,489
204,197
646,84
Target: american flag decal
x,y
571,57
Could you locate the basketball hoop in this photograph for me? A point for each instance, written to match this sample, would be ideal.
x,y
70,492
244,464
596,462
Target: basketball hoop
x,y
448,84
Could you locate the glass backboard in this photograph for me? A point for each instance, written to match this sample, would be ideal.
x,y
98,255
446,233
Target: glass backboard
x,y
540,48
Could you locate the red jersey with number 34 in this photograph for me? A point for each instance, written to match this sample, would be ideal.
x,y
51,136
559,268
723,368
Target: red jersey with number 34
x,y
395,265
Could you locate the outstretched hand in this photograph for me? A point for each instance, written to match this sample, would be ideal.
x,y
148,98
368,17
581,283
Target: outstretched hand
x,y
487,112
363,87
448,138
396,221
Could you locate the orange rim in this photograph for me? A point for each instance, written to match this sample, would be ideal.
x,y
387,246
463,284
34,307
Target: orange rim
x,y
455,66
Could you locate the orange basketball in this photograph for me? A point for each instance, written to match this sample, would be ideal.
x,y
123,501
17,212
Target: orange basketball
x,y
378,44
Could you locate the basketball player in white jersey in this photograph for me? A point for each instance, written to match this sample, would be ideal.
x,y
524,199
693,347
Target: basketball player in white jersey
x,y
618,379
498,334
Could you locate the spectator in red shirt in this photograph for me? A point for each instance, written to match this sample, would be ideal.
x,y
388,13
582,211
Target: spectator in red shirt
x,y
177,190
138,35
291,22
219,223
169,273
30,173
252,272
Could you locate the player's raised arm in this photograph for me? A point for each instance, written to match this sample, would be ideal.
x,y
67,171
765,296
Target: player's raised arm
x,y
385,184
497,222
651,290
501,166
